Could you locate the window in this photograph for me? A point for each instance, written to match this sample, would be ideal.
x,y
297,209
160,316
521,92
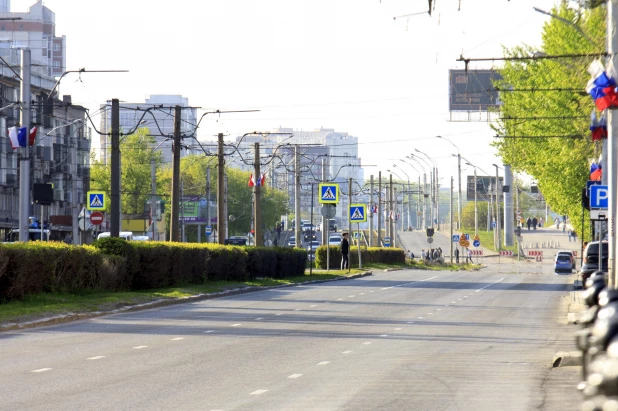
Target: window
x,y
56,47
21,27
56,64
2,27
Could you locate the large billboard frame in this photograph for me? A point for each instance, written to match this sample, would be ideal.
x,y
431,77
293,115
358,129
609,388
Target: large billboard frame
x,y
486,189
473,90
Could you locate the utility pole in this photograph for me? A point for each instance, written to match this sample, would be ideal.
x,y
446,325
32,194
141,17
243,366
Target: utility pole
x,y
174,232
115,171
509,228
325,221
257,209
182,212
437,200
24,161
221,217
497,210
379,209
393,221
349,204
208,200
419,205
476,210
431,195
297,195
387,214
451,208
391,213
153,191
370,211
612,148
425,195
459,191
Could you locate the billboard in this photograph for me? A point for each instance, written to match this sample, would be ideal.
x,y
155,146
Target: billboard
x,y
193,209
473,90
485,187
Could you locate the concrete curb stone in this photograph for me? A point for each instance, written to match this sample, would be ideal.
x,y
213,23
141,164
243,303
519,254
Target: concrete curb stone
x,y
65,318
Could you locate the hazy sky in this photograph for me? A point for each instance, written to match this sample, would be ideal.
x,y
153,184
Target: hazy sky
x,y
306,64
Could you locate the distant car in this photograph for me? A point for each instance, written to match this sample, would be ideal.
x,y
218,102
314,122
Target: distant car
x,y
292,242
314,245
334,240
591,259
569,254
563,263
307,227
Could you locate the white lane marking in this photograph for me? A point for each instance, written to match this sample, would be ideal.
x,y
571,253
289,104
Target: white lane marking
x,y
465,296
339,299
459,299
346,352
324,363
386,288
258,319
370,291
279,314
453,302
397,329
384,335
139,347
98,357
295,376
361,293
313,305
42,370
350,296
178,338
258,392
298,309
367,343
209,331
476,291
429,313
438,309
420,318
235,325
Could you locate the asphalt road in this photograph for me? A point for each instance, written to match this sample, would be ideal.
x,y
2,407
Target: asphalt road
x,y
403,340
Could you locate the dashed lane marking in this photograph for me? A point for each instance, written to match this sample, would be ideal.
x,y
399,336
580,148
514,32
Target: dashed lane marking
x,y
279,314
339,299
367,343
420,318
313,305
346,352
235,325
258,392
295,376
350,296
209,331
42,370
397,329
178,338
384,335
502,279
98,357
258,319
324,362
410,322
298,309
139,347
361,293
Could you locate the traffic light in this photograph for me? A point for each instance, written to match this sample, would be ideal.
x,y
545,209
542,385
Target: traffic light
x,y
585,199
430,232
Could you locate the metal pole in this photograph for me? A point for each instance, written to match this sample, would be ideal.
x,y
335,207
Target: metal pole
x,y
393,222
153,191
115,170
419,205
370,211
459,191
297,196
379,209
476,210
257,216
208,201
24,161
437,200
431,196
182,212
360,263
497,209
221,217
225,214
612,149
349,204
311,236
508,208
451,207
175,200
425,200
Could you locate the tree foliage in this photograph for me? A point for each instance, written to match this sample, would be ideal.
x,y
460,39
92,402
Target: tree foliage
x,y
560,165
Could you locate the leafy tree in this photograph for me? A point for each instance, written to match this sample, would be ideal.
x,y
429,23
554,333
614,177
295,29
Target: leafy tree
x,y
559,164
136,152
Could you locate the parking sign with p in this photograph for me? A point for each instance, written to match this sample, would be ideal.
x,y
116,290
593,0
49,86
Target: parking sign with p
x,y
599,195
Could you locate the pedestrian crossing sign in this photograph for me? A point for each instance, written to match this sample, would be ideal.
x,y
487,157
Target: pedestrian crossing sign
x,y
358,213
328,193
96,200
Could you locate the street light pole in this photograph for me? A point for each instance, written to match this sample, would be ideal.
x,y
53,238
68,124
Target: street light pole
x,y
24,161
497,208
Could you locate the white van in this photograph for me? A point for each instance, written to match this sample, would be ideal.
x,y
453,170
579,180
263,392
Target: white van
x,y
127,235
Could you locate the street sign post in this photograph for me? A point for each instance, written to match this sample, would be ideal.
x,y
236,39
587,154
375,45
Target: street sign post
x,y
208,230
328,211
430,240
328,193
96,217
387,241
599,195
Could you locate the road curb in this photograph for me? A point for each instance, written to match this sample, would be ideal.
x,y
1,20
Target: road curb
x,y
70,317
567,359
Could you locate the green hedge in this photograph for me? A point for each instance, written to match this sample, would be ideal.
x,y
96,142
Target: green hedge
x,y
114,264
369,255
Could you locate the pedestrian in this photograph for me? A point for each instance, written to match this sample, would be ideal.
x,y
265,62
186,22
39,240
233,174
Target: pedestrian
x,y
569,235
439,251
469,256
535,222
529,223
557,221
436,254
541,221
410,255
345,248
275,241
574,235
423,254
456,255
68,239
563,227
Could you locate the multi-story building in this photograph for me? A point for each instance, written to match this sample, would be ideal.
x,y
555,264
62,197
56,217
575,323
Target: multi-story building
x,y
323,154
159,120
36,30
61,152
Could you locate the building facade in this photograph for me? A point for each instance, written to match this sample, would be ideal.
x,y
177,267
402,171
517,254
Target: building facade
x,y
159,119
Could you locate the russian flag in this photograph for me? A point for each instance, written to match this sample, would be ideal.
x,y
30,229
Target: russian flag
x,y
261,181
596,171
601,87
598,126
13,137
374,209
33,132
251,182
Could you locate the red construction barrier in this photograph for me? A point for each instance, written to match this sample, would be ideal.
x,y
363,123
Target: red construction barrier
x,y
506,253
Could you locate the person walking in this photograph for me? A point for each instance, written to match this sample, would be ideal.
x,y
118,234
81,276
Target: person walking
x,y
345,249
535,222
456,255
529,223
469,256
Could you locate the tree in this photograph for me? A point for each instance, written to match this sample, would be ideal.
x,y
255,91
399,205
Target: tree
x,y
559,164
136,152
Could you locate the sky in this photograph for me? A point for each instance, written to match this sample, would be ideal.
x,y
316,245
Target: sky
x,y
346,65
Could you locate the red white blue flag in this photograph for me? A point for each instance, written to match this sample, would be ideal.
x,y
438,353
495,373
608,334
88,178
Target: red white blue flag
x,y
601,87
598,126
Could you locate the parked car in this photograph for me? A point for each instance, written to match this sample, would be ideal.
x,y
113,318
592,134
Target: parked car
x,y
569,254
292,242
563,263
313,245
591,259
334,240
